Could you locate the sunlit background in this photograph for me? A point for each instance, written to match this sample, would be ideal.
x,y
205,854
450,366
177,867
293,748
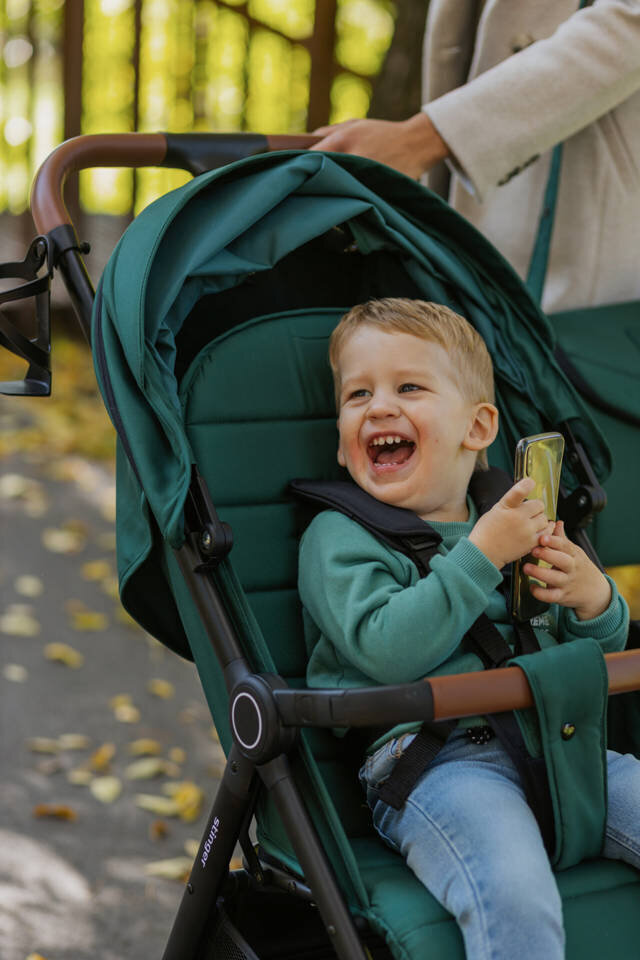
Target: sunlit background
x,y
99,66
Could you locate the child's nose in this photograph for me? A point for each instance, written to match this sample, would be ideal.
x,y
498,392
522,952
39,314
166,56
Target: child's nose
x,y
383,405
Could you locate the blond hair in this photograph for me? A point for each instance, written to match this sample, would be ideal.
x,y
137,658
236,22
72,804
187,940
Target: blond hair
x,y
429,321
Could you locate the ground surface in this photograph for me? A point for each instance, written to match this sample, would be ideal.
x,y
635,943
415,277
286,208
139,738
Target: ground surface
x,y
80,888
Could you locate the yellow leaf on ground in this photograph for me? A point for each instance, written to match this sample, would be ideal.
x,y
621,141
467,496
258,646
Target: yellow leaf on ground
x,y
73,741
149,767
43,745
177,755
106,789
95,570
163,806
127,713
89,621
102,757
161,688
119,699
188,798
191,848
80,777
145,745
58,811
235,863
15,672
63,653
36,956
18,621
178,868
62,540
28,585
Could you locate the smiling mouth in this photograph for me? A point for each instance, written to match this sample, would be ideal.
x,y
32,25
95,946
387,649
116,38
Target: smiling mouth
x,y
391,451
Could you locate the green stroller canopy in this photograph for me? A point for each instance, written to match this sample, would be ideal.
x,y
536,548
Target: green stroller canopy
x,y
225,226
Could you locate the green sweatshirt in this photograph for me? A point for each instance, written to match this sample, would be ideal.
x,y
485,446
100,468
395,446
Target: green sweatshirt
x,y
369,618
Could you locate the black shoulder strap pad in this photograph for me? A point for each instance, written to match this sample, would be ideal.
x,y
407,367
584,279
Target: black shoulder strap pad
x,y
399,528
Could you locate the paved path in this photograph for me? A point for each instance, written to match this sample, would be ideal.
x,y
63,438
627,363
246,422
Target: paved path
x,y
76,889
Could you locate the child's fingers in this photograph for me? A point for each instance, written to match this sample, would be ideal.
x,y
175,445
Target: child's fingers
x,y
558,558
548,575
518,492
547,594
556,542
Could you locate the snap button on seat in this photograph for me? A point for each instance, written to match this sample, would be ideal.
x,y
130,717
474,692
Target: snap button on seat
x,y
568,730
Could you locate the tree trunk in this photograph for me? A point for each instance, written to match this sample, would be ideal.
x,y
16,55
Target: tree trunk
x,y
397,90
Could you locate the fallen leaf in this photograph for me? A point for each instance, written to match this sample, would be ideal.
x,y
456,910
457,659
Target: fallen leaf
x,y
49,765
18,621
149,767
235,863
14,486
15,672
36,956
89,621
178,868
28,585
106,789
158,830
145,745
43,745
191,848
163,806
62,540
161,688
111,587
80,777
73,741
127,713
177,755
63,653
102,757
119,699
59,811
188,798
95,570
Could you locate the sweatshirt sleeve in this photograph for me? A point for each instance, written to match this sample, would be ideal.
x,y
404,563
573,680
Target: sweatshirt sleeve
x,y
369,602
610,629
505,117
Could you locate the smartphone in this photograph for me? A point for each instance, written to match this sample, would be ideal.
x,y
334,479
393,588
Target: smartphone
x,y
539,457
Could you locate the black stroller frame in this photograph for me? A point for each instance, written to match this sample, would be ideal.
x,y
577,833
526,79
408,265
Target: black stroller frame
x,y
265,714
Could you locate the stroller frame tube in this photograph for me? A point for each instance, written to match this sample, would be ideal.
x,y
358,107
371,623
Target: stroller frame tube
x,y
439,698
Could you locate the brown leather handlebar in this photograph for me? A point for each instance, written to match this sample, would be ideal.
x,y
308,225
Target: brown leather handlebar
x,y
111,150
97,150
492,691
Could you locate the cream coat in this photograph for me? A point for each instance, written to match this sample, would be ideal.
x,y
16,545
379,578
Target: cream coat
x,y
505,80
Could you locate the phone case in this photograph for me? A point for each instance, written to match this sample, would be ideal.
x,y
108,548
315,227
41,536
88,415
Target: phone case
x,y
539,457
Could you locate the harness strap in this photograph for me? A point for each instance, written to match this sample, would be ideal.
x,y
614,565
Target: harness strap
x,y
422,750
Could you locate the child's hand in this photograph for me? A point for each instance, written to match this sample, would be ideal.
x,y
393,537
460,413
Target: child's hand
x,y
573,580
511,528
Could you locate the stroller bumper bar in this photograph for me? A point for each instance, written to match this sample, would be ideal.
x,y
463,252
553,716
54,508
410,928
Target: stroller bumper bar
x,y
265,713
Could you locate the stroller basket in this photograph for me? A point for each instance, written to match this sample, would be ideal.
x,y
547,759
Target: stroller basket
x,y
209,331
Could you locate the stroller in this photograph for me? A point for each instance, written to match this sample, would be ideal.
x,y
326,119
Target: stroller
x,y
209,330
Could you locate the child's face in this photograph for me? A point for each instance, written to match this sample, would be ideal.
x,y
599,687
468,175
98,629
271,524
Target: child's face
x,y
405,427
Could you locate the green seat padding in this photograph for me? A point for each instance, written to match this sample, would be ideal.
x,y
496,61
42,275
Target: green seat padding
x,y
417,926
603,344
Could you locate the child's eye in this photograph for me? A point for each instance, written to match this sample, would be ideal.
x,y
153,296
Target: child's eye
x,y
408,387
361,392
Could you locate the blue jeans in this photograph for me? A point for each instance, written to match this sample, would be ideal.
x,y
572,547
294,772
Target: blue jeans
x,y
470,837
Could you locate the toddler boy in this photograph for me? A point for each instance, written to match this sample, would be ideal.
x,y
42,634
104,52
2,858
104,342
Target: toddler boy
x,y
414,390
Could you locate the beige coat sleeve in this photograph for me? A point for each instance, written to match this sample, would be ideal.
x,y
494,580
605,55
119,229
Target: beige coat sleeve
x,y
506,116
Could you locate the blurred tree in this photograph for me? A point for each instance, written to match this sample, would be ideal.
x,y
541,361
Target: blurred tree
x,y
397,90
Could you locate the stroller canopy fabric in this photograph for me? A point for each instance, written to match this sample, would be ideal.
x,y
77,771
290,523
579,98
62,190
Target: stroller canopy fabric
x,y
210,235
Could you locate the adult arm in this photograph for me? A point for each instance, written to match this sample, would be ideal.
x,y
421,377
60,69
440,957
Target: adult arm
x,y
369,602
497,123
508,115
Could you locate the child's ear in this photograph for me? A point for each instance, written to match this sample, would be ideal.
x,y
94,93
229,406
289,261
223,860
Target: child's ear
x,y
483,427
